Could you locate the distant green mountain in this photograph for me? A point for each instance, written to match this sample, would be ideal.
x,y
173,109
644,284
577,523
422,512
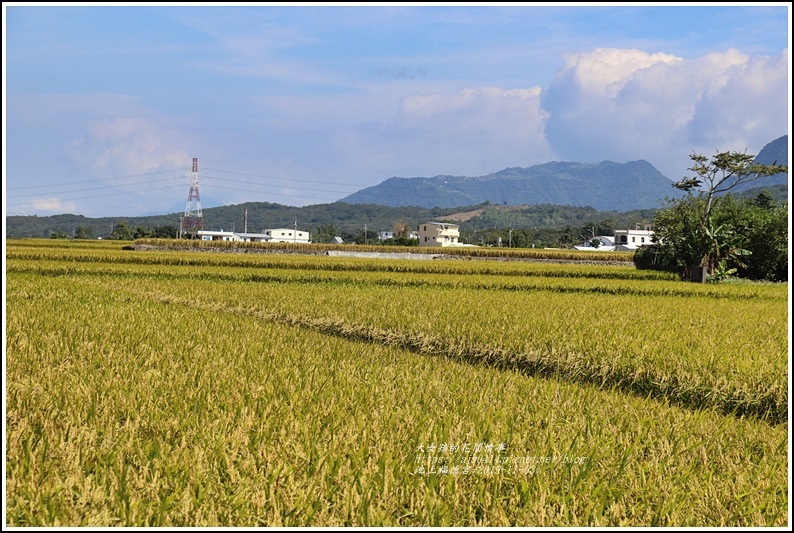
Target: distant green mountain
x,y
774,153
779,193
605,186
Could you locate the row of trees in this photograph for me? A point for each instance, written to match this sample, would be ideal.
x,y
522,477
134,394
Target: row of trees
x,y
121,232
709,235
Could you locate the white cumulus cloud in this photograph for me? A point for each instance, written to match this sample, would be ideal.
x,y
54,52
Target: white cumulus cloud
x,y
605,71
128,145
623,105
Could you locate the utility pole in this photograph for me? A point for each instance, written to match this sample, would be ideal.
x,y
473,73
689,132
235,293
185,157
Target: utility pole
x,y
365,234
295,237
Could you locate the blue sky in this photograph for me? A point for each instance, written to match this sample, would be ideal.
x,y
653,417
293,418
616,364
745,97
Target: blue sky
x,y
105,106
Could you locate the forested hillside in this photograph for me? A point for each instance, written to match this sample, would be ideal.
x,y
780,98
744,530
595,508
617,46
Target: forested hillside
x,y
350,220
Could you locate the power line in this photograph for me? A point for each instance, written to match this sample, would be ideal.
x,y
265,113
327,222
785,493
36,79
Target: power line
x,y
103,180
312,168
47,172
270,193
40,193
281,178
104,195
291,187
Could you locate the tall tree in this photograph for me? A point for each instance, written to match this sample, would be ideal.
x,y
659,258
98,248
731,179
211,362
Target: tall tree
x,y
83,232
713,177
401,228
121,232
324,233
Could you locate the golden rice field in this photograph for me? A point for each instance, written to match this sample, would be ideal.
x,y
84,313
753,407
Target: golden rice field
x,y
184,388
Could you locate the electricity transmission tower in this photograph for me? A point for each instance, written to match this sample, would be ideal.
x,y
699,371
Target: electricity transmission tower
x,y
193,220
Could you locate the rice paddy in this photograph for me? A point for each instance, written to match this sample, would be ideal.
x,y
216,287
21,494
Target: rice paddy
x,y
180,388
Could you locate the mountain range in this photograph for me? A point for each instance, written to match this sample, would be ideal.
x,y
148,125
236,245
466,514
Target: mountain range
x,y
605,186
563,194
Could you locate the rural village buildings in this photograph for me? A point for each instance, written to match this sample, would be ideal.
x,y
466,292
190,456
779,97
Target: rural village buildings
x,y
624,240
269,235
439,234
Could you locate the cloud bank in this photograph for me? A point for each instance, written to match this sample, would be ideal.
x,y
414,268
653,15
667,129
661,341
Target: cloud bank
x,y
627,104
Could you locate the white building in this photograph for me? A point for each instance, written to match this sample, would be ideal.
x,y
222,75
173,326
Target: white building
x,y
438,234
285,235
269,235
607,244
628,240
252,237
383,235
207,235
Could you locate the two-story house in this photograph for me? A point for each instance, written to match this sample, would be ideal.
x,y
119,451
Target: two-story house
x,y
438,234
628,240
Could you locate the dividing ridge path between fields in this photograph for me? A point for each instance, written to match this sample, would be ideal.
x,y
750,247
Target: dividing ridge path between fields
x,y
688,391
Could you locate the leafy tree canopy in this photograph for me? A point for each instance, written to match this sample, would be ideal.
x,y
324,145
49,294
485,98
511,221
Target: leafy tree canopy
x,y
710,229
